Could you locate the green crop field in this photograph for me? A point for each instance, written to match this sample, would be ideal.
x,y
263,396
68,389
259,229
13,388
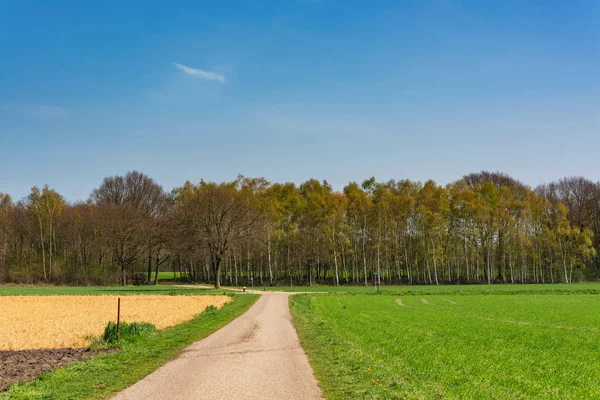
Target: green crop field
x,y
557,288
483,346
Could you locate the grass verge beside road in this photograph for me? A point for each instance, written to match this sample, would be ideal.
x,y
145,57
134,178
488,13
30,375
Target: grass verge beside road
x,y
104,375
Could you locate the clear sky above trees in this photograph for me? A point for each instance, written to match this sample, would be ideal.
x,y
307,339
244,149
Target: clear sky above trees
x,y
297,89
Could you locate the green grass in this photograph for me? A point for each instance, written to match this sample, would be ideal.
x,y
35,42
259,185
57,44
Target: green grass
x,y
13,290
557,288
503,346
104,375
167,275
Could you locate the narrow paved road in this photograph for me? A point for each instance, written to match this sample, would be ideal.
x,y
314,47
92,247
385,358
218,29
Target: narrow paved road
x,y
258,355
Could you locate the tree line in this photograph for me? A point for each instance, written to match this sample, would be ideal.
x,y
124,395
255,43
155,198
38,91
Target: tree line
x,y
484,228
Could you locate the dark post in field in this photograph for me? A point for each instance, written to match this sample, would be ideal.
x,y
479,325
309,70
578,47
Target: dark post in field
x,y
118,318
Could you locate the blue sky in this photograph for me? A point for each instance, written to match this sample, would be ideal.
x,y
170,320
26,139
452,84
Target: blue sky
x,y
290,90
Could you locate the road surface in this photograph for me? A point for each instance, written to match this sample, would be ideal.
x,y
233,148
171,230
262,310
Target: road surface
x,y
258,355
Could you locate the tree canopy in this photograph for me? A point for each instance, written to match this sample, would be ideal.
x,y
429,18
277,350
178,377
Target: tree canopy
x,y
484,228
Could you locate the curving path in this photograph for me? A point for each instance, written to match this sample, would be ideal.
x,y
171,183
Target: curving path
x,y
258,355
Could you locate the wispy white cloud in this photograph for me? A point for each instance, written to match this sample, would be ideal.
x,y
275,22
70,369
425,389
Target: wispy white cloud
x,y
199,73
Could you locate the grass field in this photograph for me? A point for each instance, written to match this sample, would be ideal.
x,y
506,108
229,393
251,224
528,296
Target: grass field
x,y
20,290
167,275
557,288
454,345
53,322
103,375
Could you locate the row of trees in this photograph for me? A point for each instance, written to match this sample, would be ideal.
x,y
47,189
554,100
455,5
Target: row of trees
x,y
484,228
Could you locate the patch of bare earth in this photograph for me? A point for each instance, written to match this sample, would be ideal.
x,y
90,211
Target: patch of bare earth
x,y
426,302
450,301
26,365
399,302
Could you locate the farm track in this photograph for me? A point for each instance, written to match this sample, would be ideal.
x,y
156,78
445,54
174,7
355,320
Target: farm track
x,y
257,355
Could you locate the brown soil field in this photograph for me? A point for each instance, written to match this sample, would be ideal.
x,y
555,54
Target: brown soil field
x,y
26,365
55,322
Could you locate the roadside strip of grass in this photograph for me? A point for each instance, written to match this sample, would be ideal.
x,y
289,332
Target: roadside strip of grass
x,y
338,375
104,375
